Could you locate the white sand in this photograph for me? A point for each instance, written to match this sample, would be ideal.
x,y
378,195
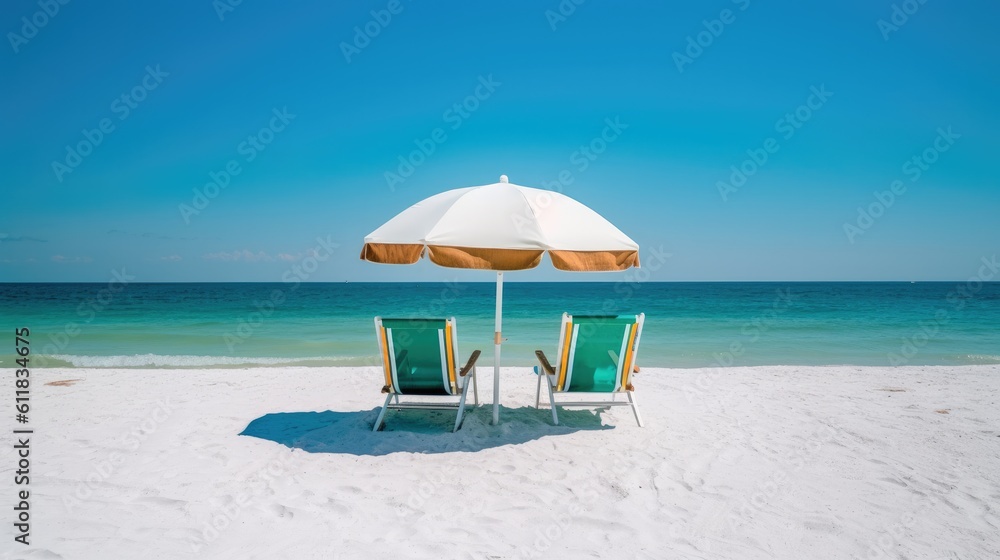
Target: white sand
x,y
767,462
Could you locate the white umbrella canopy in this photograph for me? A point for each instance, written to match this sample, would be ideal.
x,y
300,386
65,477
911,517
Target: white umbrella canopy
x,y
502,226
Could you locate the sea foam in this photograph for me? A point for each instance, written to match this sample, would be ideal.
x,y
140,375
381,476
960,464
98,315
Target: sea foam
x,y
181,361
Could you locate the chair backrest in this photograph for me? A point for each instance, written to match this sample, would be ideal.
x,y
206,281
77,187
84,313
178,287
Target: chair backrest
x,y
419,356
597,352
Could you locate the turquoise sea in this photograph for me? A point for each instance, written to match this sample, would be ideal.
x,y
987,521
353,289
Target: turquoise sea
x,y
687,324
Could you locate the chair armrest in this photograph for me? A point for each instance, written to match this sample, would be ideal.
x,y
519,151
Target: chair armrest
x,y
545,362
403,354
471,364
614,358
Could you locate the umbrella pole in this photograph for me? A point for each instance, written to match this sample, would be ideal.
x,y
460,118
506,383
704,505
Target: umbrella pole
x,y
496,350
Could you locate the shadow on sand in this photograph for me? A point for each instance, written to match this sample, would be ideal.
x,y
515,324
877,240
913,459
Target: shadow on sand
x,y
415,431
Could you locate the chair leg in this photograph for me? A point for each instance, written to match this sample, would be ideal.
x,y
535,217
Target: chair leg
x,y
552,401
397,399
381,414
461,407
635,407
475,387
538,391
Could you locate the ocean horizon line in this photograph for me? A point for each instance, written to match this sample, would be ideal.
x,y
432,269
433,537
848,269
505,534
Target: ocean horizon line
x,y
690,324
507,281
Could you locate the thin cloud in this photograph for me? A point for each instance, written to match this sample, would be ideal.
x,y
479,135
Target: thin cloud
x,y
8,238
247,255
150,235
171,258
71,260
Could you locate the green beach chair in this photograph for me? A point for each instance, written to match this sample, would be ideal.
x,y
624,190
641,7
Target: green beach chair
x,y
596,356
420,358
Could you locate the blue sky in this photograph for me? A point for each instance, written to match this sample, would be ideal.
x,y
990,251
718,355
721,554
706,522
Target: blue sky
x,y
699,88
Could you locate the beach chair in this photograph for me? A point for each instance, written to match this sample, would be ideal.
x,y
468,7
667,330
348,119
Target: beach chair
x,y
596,356
420,358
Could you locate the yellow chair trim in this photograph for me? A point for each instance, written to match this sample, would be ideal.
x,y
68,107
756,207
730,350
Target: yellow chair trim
x,y
627,362
449,343
564,362
386,362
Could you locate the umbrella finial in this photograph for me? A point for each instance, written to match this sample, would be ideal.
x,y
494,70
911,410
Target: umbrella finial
x,y
503,178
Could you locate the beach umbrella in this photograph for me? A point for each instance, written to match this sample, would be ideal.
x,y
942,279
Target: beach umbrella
x,y
501,227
